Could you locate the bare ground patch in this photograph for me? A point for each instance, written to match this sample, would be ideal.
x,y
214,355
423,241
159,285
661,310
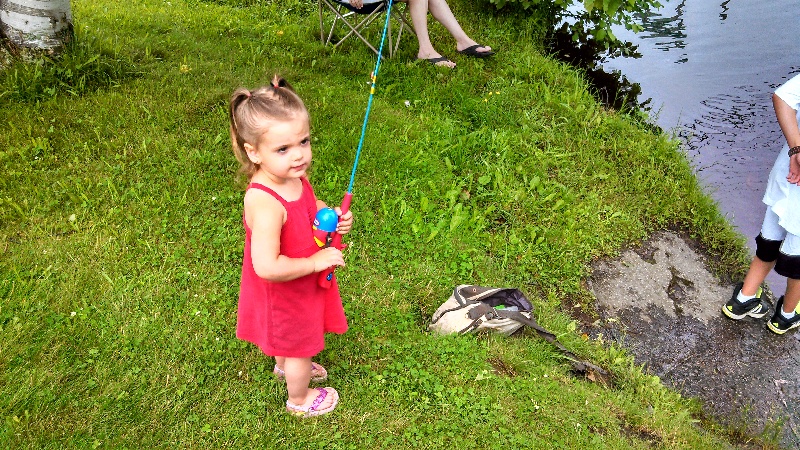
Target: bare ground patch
x,y
662,303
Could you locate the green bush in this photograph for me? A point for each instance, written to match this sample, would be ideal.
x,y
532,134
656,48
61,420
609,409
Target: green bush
x,y
587,20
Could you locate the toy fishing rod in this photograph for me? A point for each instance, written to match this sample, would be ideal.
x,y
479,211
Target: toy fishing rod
x,y
325,224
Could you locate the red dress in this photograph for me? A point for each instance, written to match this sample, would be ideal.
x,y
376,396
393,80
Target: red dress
x,y
288,318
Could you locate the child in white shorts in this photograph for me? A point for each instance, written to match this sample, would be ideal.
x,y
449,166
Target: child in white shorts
x,y
778,244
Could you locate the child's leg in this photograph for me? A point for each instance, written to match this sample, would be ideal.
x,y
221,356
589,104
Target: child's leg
x,y
746,301
756,275
785,318
789,266
298,377
768,247
792,296
318,373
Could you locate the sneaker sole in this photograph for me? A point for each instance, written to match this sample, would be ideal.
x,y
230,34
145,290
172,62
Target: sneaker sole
x,y
733,316
777,330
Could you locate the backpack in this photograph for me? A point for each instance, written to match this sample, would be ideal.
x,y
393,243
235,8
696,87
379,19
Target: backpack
x,y
474,308
471,309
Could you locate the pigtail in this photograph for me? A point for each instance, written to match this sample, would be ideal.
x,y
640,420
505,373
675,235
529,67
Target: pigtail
x,y
280,82
238,99
287,96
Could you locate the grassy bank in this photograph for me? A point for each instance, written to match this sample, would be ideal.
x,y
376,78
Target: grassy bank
x,y
121,239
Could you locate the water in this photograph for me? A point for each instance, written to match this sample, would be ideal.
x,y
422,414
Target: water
x,y
710,68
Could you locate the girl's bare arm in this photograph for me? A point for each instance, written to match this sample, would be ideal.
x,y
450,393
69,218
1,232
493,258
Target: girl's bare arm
x,y
265,217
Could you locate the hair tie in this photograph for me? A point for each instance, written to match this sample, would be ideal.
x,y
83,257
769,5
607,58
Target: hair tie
x,y
249,94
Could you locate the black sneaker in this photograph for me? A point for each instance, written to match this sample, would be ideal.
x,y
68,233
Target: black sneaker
x,y
780,325
755,307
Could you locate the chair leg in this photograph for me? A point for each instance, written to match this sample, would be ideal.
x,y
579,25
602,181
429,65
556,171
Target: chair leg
x,y
394,39
389,32
333,28
321,24
355,29
400,17
338,15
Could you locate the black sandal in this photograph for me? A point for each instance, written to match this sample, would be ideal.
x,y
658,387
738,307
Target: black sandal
x,y
436,61
473,51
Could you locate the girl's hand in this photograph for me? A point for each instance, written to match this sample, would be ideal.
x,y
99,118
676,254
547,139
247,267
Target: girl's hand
x,y
345,221
327,257
357,3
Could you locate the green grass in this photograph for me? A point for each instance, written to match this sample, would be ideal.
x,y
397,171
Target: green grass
x,y
121,238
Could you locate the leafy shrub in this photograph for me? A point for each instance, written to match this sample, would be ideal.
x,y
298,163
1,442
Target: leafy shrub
x,y
589,19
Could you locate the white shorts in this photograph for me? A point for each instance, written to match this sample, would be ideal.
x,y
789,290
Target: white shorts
x,y
772,231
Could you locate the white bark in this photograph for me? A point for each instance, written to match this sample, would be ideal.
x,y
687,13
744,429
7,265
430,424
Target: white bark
x,y
41,24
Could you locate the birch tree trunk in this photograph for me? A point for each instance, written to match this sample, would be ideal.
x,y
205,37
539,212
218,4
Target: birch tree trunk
x,y
36,24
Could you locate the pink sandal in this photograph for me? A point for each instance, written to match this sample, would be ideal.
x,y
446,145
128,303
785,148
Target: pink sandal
x,y
318,373
312,410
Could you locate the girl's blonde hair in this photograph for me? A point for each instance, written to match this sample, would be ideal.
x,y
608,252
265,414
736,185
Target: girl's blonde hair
x,y
252,111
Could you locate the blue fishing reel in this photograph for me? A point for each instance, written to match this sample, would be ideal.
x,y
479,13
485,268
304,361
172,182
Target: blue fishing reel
x,y
325,226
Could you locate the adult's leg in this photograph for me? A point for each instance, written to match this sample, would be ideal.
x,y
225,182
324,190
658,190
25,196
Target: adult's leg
x,y
418,10
440,11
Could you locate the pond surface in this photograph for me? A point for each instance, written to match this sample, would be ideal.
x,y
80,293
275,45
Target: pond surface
x,y
710,68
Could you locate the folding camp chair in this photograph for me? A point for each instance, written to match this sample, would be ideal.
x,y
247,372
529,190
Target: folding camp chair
x,y
357,20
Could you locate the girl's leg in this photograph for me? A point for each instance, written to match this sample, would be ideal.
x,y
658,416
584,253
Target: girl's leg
x,y
440,11
318,373
298,376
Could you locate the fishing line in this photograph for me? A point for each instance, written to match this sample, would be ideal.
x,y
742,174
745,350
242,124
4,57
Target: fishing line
x,y
336,241
374,78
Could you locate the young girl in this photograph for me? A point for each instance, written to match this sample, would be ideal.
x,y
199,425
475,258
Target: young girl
x,y
282,309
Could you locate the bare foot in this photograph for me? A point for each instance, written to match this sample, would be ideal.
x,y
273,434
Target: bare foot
x,y
437,60
472,48
481,49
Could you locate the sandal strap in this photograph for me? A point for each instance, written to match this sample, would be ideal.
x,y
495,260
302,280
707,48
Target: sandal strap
x,y
318,401
323,393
